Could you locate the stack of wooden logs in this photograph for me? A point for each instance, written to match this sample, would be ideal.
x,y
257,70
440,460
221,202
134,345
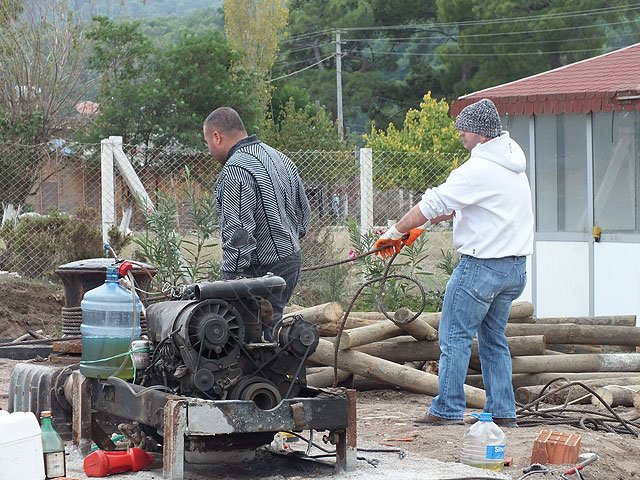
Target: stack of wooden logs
x,y
375,352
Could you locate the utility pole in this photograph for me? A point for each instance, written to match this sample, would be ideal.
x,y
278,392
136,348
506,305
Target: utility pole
x,y
340,119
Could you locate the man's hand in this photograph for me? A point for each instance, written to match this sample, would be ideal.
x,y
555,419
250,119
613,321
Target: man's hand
x,y
389,243
388,246
413,234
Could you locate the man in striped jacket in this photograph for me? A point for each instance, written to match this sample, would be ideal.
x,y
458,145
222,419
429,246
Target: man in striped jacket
x,y
264,211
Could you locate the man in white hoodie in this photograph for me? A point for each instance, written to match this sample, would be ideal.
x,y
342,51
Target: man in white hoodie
x,y
490,201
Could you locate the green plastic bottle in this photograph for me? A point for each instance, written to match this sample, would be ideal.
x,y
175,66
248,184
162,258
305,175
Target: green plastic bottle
x,y
52,448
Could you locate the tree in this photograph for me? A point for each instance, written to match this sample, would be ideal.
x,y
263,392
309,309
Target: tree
x,y
540,36
306,128
375,63
44,75
254,28
44,68
120,50
429,136
158,97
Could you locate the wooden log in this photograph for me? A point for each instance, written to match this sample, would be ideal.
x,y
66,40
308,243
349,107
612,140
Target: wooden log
x,y
636,400
363,384
615,395
578,334
332,329
612,320
528,379
408,378
325,313
528,394
36,334
369,315
360,318
407,349
518,310
22,337
521,310
572,348
369,334
575,394
416,327
522,320
581,362
325,377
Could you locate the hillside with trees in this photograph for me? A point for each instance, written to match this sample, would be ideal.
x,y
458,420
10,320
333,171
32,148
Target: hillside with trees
x,y
148,9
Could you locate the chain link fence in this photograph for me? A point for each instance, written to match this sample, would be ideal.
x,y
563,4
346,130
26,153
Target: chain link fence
x,y
56,210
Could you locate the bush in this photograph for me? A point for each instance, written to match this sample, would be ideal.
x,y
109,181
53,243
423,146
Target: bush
x,y
37,245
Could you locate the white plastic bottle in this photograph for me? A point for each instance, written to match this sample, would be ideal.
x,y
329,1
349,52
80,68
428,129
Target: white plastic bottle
x,y
20,447
484,444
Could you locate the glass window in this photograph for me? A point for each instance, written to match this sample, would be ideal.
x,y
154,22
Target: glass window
x,y
616,170
518,128
561,173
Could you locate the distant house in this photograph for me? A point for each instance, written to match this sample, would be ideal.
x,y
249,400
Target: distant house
x,y
580,128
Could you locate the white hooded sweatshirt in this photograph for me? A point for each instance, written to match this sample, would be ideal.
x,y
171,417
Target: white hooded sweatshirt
x,y
491,198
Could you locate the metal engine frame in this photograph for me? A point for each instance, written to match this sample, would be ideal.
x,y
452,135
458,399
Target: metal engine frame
x,y
185,420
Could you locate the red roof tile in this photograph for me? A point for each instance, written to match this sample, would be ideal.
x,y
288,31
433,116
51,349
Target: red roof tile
x,y
592,85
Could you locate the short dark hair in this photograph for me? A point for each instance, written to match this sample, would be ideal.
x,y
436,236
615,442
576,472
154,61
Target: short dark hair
x,y
224,119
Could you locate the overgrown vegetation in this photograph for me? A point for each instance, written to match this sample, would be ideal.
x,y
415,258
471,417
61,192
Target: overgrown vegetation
x,y
430,135
180,259
37,245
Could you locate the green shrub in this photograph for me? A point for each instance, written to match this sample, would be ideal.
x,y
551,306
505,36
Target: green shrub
x,y
36,245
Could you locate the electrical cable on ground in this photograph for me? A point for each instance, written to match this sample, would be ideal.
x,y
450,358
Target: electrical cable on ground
x,y
530,414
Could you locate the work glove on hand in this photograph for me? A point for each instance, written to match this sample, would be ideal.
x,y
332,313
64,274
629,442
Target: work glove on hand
x,y
389,242
413,234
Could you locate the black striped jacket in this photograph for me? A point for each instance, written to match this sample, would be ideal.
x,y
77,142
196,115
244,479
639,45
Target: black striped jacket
x,y
264,210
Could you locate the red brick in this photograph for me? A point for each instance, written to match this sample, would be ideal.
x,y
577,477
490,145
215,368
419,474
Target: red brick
x,y
556,448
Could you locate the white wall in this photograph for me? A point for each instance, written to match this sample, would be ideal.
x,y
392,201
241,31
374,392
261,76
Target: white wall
x,y
617,279
561,279
527,294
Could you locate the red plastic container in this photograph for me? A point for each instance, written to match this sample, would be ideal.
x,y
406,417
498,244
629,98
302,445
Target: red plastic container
x,y
101,463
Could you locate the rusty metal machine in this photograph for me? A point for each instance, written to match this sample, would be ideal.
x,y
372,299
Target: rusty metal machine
x,y
210,385
208,344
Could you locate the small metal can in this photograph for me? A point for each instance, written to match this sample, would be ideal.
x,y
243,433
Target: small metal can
x,y
141,353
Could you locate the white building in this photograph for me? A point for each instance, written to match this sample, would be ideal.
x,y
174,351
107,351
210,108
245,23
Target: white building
x,y
580,128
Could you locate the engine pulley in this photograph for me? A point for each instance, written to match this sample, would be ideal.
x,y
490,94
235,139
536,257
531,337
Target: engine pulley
x,y
297,335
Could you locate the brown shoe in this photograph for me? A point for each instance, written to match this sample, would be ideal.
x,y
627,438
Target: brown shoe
x,y
501,422
432,420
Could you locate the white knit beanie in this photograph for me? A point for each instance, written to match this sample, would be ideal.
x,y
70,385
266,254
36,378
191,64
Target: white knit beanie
x,y
481,118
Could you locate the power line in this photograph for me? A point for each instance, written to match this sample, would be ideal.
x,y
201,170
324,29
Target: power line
x,y
291,64
487,54
301,70
497,21
445,40
306,35
308,47
442,41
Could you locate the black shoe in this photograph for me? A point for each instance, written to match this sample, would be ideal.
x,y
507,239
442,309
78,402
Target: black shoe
x,y
501,422
433,421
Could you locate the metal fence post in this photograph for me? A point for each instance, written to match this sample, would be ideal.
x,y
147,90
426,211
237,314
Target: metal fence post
x,y
366,190
107,184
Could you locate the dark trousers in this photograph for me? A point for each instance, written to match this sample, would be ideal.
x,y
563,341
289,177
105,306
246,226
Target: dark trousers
x,y
289,269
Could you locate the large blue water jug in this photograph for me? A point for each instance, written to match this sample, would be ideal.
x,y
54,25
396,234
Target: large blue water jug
x,y
110,322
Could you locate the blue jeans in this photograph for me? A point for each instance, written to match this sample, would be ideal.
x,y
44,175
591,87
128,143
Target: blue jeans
x,y
478,300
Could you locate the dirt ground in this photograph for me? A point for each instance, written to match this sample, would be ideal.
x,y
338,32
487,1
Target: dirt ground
x,y
384,420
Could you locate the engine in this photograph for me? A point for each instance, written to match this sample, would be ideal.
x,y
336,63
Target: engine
x,y
208,343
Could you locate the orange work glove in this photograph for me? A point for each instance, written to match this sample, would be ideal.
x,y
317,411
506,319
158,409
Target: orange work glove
x,y
388,246
390,242
413,234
